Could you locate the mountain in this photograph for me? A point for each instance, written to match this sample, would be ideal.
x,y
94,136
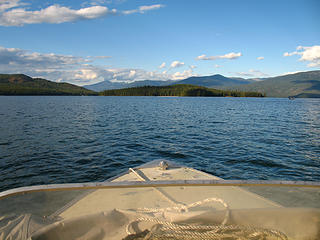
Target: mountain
x,y
214,81
107,85
20,84
206,81
302,84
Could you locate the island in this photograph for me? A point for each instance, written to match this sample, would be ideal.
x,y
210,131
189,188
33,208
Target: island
x,y
178,90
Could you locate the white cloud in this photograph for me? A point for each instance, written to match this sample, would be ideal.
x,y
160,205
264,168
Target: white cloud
x,y
86,74
308,54
52,14
14,15
99,2
286,54
51,66
163,65
251,73
76,70
8,4
183,75
260,58
151,7
217,66
143,9
231,55
131,75
19,57
176,64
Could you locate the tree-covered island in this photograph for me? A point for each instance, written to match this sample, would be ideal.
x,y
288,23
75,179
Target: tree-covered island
x,y
179,90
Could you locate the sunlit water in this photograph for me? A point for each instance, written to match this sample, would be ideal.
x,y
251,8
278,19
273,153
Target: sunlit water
x,y
46,140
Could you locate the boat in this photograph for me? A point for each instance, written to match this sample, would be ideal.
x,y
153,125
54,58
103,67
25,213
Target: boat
x,y
163,200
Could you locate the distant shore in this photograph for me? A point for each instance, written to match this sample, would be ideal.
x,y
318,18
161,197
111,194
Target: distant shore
x,y
178,90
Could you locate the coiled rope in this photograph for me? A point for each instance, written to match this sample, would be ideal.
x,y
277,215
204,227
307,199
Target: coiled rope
x,y
168,230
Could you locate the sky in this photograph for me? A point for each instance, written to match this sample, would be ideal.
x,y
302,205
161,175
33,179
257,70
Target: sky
x,y
88,41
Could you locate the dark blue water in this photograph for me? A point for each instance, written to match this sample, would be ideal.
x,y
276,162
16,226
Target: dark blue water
x,y
45,140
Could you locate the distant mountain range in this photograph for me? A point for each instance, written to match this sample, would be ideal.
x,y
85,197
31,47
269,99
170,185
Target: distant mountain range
x,y
302,84
20,84
205,81
107,85
214,81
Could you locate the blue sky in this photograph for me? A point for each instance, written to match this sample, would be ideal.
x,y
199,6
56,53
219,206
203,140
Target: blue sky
x,y
88,41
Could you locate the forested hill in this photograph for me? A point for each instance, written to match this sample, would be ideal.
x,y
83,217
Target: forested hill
x,y
180,90
20,84
302,84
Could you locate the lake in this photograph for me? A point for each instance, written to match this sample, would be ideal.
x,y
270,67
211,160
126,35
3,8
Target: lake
x,y
49,139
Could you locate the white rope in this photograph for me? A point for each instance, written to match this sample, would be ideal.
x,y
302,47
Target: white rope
x,y
213,232
187,207
178,206
178,209
179,231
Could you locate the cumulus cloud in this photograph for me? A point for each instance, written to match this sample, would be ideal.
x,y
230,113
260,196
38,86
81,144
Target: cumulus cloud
x,y
49,65
131,75
182,75
19,57
308,54
185,74
231,55
163,65
260,58
86,74
14,15
52,14
251,73
176,64
77,70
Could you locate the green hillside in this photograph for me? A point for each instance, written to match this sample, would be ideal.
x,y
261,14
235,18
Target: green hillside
x,y
302,84
20,84
181,90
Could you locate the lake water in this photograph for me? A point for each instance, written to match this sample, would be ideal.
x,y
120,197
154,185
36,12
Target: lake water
x,y
46,140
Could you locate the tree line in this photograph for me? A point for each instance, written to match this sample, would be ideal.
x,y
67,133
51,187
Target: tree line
x,y
179,90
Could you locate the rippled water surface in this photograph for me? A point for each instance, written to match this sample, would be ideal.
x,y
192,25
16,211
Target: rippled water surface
x,y
45,140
